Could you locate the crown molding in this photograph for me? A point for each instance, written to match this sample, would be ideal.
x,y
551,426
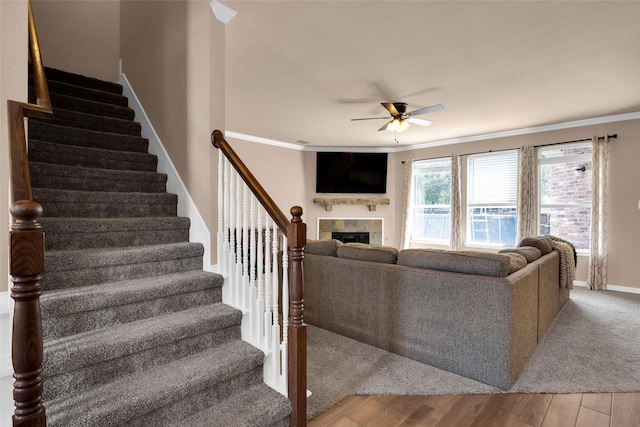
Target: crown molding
x,y
453,141
526,131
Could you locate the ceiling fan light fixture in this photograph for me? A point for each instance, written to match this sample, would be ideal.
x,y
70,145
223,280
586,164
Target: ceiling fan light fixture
x,y
398,125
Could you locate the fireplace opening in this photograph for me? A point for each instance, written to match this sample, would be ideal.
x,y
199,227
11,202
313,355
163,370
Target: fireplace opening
x,y
350,236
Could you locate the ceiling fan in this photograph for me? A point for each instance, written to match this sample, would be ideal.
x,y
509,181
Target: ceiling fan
x,y
400,120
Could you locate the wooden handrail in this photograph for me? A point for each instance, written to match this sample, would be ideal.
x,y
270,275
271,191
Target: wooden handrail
x,y
26,242
218,141
296,231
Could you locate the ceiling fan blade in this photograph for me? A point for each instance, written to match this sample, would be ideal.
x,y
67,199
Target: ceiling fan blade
x,y
420,122
390,108
432,109
384,127
371,118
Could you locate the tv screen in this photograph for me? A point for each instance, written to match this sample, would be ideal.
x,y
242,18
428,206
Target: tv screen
x,y
351,172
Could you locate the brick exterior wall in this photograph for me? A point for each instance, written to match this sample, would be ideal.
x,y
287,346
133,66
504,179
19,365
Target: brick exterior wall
x,y
566,185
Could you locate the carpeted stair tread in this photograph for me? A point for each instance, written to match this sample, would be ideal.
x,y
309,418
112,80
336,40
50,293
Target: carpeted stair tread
x,y
66,302
134,395
258,406
92,204
150,346
103,257
64,177
54,74
73,311
83,233
71,103
92,347
73,136
62,88
74,268
93,122
72,155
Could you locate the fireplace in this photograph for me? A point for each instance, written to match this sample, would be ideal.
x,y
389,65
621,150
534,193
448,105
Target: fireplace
x,y
361,230
351,236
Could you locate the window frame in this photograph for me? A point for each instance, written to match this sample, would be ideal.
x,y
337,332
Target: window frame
x,y
470,204
578,158
446,168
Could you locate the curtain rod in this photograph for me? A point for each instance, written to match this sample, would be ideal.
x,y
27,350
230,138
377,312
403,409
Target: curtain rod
x,y
615,135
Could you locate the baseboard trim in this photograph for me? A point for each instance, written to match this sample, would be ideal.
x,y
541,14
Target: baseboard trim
x,y
614,288
198,232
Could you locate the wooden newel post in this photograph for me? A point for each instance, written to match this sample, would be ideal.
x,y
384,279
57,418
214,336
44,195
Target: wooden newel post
x,y
26,268
297,238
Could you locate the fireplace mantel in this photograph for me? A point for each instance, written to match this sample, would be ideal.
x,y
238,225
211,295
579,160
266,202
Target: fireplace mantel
x,y
371,202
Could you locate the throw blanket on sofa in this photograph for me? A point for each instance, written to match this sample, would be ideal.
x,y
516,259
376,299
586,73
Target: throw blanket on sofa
x,y
567,263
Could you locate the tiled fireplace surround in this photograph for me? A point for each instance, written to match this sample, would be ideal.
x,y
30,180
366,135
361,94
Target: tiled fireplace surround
x,y
372,225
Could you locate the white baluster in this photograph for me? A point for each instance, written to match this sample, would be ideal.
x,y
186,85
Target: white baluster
x,y
285,310
253,302
276,279
222,257
231,258
219,236
238,275
245,247
259,278
275,326
267,283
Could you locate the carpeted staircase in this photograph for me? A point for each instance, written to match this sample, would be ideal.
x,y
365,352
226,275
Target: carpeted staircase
x,y
135,332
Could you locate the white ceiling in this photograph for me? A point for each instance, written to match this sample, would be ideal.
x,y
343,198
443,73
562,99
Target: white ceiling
x,y
300,70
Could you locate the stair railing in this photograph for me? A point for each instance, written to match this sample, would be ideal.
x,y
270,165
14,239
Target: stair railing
x,y
256,244
26,246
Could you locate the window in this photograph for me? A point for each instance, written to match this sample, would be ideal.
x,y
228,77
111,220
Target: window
x,y
431,202
492,191
564,176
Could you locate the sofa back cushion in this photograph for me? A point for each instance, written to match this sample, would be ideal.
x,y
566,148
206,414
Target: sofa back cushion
x,y
544,243
327,247
517,261
470,262
529,252
364,252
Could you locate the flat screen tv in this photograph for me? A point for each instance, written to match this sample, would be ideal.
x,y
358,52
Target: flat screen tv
x,y
351,172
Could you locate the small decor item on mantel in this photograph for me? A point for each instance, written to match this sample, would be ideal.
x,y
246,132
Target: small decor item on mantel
x,y
371,202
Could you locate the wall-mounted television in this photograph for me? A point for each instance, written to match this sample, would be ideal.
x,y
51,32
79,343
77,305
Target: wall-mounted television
x,y
341,172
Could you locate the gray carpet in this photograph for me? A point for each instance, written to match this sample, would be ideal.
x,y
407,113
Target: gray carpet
x,y
592,346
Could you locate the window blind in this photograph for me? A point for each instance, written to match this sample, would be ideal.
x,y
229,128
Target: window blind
x,y
492,179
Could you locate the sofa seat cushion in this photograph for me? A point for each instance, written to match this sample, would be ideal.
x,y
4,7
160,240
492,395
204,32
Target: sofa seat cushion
x,y
327,247
364,252
544,243
529,252
470,262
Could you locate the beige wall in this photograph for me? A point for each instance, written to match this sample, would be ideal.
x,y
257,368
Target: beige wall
x,y
386,212
80,36
171,54
13,85
280,171
624,188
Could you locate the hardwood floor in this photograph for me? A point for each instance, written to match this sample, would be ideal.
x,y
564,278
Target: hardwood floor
x,y
512,410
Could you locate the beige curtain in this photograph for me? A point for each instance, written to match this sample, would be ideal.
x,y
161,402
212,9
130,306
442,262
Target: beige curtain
x,y
527,193
407,214
597,272
455,240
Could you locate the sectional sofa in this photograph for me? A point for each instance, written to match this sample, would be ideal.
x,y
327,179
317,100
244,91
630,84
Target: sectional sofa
x,y
476,314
